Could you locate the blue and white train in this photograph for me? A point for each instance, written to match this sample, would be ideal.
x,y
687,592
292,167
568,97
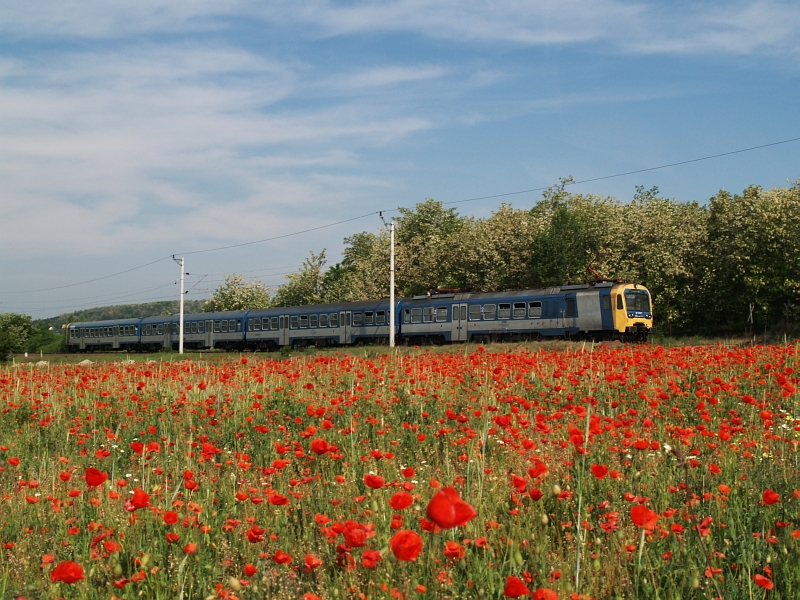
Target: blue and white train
x,y
599,311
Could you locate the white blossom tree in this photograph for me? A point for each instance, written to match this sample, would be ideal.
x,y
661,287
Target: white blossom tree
x,y
238,294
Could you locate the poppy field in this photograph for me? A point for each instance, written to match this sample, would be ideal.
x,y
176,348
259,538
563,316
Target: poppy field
x,y
541,472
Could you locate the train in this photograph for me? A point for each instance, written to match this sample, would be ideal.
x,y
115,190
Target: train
x,y
600,311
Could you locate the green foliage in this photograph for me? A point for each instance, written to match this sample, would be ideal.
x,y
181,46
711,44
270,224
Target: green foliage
x,y
305,287
44,339
14,332
238,294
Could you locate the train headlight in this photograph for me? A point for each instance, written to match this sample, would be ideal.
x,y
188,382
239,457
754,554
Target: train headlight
x,y
631,315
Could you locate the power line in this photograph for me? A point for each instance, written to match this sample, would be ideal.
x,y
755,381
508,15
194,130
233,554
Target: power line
x,y
61,287
279,237
675,164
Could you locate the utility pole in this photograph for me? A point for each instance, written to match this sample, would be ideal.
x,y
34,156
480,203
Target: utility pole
x,y
391,281
391,287
180,328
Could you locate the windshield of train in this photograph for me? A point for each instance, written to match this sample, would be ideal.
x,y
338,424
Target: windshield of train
x,y
637,300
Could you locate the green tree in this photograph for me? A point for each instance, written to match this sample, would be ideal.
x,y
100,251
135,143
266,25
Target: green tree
x,y
14,332
238,294
305,286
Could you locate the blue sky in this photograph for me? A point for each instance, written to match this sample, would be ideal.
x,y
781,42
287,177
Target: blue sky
x,y
132,131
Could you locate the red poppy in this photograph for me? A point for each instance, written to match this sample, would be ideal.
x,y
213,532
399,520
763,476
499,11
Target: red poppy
x,y
140,499
370,559
770,497
374,481
190,548
401,500
94,477
67,572
448,510
250,570
406,545
453,550
408,472
545,594
312,562
644,517
172,538
515,588
599,471
170,517
319,446
278,500
763,582
65,476
281,558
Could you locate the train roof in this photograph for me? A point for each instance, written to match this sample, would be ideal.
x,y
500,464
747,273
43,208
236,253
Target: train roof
x,y
310,308
105,323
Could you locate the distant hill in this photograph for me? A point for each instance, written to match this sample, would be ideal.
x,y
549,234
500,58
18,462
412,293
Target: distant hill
x,y
125,311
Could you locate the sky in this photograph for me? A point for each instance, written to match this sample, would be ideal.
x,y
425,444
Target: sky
x,y
132,131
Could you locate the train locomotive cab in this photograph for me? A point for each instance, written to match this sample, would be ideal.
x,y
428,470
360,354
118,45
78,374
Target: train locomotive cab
x,y
633,311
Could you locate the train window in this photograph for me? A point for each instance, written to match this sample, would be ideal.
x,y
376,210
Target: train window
x,y
519,310
323,320
504,311
441,314
294,322
570,307
619,302
147,329
257,324
196,326
606,302
217,326
235,325
313,321
407,315
201,327
475,312
427,314
357,319
274,322
534,310
463,312
488,312
416,315
637,300
334,320
369,318
455,312
380,317
223,326
160,329
303,321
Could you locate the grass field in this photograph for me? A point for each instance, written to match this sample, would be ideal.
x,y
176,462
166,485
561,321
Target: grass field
x,y
552,471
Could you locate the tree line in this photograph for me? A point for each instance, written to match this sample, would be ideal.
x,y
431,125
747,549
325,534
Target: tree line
x,y
706,265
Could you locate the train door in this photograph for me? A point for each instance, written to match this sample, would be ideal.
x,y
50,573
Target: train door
x,y
283,326
344,324
167,335
209,334
458,332
570,312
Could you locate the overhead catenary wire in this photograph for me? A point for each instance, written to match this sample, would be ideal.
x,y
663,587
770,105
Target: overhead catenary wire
x,y
377,212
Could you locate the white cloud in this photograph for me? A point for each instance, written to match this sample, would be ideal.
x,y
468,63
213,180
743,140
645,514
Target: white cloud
x,y
739,27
